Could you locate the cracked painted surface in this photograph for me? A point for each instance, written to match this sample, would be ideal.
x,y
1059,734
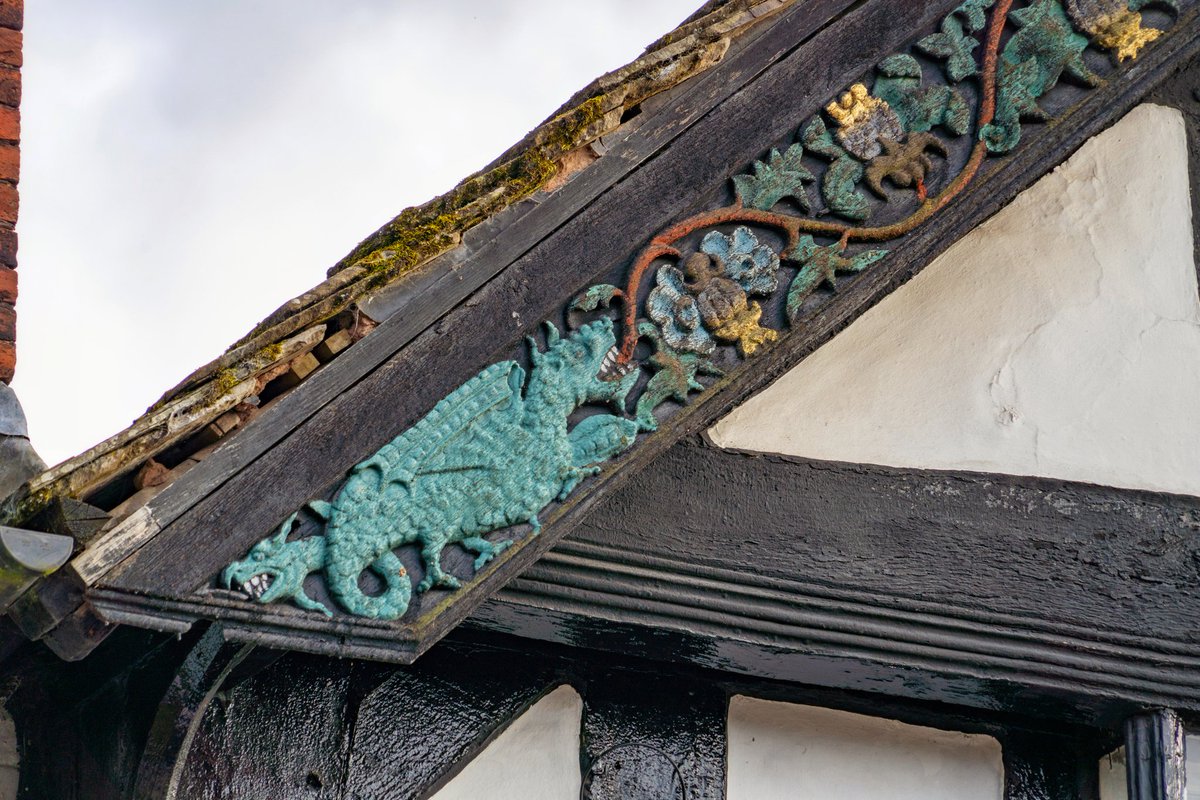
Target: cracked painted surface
x,y
1060,339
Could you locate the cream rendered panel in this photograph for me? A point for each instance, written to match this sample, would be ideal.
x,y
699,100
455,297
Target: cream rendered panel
x,y
535,758
1060,339
782,751
1113,779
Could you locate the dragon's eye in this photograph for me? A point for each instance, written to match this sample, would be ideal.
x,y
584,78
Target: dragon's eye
x,y
257,556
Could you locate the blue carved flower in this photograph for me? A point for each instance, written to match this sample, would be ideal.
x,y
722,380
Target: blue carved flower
x,y
754,266
696,306
674,308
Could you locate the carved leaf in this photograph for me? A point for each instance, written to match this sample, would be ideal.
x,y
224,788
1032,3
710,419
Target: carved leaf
x,y
674,377
839,189
781,175
816,137
840,181
954,47
900,65
599,296
920,107
820,265
973,11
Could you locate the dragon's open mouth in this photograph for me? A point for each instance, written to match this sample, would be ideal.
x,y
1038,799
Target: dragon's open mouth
x,y
257,586
611,369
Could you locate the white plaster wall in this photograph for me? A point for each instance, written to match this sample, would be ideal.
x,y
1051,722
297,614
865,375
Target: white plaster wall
x,y
535,758
1061,338
1192,751
1113,785
782,751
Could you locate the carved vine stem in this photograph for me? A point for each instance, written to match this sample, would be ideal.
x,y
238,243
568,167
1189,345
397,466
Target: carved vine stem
x,y
663,244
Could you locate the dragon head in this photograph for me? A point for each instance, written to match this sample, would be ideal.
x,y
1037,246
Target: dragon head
x,y
275,568
584,364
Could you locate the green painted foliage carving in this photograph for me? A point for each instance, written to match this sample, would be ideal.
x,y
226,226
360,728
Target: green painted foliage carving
x,y
821,265
598,296
1030,65
920,108
974,12
781,175
954,47
839,185
673,379
500,449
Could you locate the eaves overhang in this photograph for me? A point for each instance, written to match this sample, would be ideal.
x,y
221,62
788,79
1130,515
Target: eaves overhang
x,y
744,222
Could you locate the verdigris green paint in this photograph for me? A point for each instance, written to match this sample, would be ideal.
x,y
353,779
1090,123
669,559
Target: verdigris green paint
x,y
920,107
820,265
1035,57
839,186
498,450
781,175
483,459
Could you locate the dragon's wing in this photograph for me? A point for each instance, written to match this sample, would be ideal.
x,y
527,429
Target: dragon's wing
x,y
442,440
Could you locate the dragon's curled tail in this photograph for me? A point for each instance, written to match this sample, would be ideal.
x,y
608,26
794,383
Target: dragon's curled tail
x,y
342,578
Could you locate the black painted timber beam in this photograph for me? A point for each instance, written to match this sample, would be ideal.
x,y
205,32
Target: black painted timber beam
x,y
971,588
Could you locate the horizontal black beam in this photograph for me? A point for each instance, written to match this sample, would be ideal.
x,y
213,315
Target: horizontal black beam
x,y
168,582
861,576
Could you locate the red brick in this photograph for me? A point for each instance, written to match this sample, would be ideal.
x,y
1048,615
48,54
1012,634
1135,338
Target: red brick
x,y
10,162
10,123
8,285
8,247
8,361
8,323
8,203
12,14
10,48
10,87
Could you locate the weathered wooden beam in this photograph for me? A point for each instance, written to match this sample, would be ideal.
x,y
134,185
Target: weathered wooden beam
x,y
785,568
685,177
650,735
436,288
181,711
1154,758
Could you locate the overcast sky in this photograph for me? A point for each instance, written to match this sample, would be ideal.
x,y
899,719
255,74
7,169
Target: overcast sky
x,y
189,166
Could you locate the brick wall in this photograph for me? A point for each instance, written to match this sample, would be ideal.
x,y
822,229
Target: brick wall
x,y
11,15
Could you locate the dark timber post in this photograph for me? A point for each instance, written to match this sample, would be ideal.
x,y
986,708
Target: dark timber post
x,y
1154,754
651,736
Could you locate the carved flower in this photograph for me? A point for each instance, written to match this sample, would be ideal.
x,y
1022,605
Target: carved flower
x,y
754,266
674,308
863,120
709,298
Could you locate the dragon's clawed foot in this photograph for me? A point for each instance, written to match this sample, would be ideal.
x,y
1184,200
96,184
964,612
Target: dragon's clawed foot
x,y
308,604
442,581
486,550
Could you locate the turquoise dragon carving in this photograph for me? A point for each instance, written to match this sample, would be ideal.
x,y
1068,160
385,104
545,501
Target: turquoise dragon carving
x,y
485,458
498,450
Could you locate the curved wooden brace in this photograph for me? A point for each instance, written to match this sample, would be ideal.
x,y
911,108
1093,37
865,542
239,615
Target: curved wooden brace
x,y
197,681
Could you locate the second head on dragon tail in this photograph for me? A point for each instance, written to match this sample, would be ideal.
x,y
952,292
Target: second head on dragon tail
x,y
583,364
